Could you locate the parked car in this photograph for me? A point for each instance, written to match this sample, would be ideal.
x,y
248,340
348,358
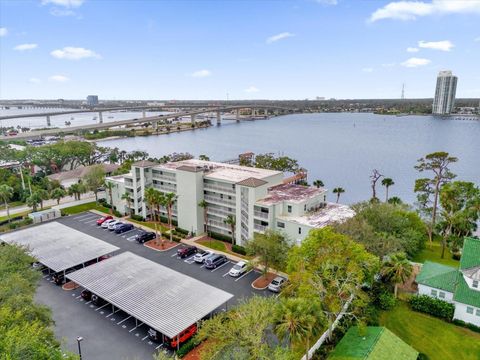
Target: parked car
x,y
59,277
103,219
238,269
145,236
214,261
123,228
186,334
185,251
201,255
277,284
106,223
38,266
98,301
113,224
86,295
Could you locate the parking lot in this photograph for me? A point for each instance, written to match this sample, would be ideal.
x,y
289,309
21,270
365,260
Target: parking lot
x,y
115,335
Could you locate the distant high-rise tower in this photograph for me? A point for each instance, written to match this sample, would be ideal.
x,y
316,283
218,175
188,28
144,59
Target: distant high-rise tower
x,y
444,93
403,92
92,100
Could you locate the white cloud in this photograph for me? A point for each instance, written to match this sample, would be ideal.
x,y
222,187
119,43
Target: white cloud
x,y
367,70
3,31
61,12
444,45
34,80
58,78
74,53
388,65
251,89
477,39
411,10
23,47
281,36
412,49
201,73
415,62
65,3
327,2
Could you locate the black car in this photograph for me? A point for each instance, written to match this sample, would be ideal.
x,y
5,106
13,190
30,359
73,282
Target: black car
x,y
145,236
123,228
96,300
214,261
185,251
59,278
86,295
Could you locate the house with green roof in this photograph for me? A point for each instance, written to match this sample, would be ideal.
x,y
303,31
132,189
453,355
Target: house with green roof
x,y
458,286
372,343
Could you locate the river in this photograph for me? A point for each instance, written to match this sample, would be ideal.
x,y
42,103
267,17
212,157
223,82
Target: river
x,y
341,149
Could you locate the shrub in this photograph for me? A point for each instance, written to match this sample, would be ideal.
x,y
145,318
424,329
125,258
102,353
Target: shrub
x,y
117,213
456,255
386,301
182,231
221,237
188,346
239,249
432,306
467,325
12,226
422,356
137,217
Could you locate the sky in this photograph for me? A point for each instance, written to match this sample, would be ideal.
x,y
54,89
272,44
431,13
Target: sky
x,y
235,49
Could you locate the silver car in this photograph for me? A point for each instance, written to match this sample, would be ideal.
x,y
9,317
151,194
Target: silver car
x,y
113,224
106,223
277,284
201,255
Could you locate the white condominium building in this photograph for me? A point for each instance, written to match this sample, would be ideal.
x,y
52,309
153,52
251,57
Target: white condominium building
x,y
258,199
445,90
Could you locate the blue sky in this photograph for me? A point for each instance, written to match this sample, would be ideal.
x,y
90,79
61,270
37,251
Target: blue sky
x,y
248,49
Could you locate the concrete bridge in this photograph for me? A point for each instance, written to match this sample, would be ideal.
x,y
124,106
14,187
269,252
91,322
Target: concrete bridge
x,y
154,120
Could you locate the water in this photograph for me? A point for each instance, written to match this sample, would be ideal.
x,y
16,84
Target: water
x,y
340,149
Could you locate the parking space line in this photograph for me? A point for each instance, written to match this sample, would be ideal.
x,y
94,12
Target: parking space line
x,y
226,273
136,327
89,221
145,337
88,302
126,232
123,320
228,262
84,216
248,272
174,254
79,296
159,346
102,307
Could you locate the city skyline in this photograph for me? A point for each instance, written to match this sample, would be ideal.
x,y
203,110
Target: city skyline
x,y
159,50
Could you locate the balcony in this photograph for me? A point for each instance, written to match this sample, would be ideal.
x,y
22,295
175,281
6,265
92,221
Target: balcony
x,y
218,212
219,200
260,214
219,224
225,189
165,187
164,176
260,228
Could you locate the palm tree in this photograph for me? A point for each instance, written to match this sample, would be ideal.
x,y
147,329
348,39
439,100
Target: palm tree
x,y
43,195
57,194
109,186
338,191
33,201
395,200
204,205
126,196
397,269
161,201
387,182
230,220
6,193
170,199
151,199
296,321
318,184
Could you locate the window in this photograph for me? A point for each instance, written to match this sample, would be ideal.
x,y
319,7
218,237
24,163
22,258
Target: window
x,y
289,208
441,295
299,230
475,283
433,292
469,310
477,312
281,225
305,207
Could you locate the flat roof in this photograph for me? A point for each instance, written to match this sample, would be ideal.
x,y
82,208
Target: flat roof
x,y
158,296
291,193
221,171
58,246
328,215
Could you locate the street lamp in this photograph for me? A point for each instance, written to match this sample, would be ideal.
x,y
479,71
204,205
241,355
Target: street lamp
x,y
79,339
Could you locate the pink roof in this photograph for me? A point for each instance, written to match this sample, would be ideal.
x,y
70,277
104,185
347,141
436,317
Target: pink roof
x,y
291,193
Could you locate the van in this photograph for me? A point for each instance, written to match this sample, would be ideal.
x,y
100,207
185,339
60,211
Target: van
x,y
214,261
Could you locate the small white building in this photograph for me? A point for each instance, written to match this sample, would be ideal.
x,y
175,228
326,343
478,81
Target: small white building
x,y
460,287
68,178
258,199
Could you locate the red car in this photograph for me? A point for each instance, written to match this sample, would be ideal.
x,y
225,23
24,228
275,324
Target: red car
x,y
173,343
103,219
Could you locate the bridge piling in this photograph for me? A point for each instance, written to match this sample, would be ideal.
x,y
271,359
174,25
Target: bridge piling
x,y
48,121
237,115
219,118
192,117
100,117
144,114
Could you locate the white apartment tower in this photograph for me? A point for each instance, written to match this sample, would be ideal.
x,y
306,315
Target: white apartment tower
x,y
445,90
258,199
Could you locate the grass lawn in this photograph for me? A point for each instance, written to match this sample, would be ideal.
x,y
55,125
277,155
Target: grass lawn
x,y
85,207
150,225
12,204
215,245
436,338
24,213
433,252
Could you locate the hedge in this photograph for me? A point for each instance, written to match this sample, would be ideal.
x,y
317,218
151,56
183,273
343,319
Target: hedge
x,y
12,218
182,231
188,346
432,306
221,237
467,325
239,249
137,217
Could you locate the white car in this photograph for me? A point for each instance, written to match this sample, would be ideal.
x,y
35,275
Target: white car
x,y
201,255
238,269
106,223
112,224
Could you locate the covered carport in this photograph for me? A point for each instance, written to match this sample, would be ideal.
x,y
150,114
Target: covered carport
x,y
59,247
165,300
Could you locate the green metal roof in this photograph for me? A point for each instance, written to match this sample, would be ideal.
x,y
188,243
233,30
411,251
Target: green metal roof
x,y
470,253
438,276
377,343
463,294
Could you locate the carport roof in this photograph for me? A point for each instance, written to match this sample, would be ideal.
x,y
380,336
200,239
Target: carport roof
x,y
58,246
156,295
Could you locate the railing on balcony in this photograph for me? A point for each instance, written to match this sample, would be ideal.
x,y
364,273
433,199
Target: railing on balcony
x,y
164,176
218,212
261,214
219,224
164,187
208,186
259,227
219,200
